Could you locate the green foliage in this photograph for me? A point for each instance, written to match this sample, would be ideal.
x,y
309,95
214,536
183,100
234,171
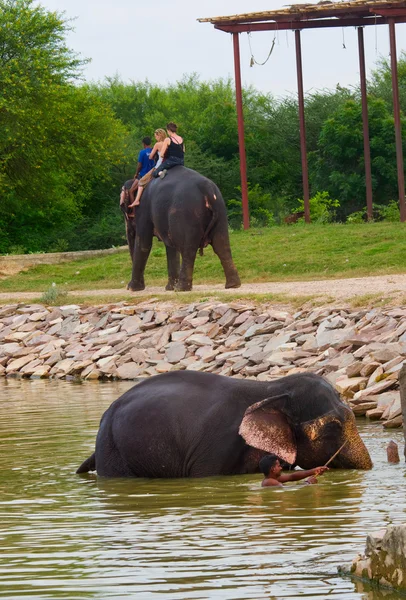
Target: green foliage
x,y
380,212
339,163
56,139
321,208
260,207
53,295
66,147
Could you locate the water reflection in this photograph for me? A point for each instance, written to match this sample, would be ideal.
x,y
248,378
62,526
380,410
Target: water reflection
x,y
64,536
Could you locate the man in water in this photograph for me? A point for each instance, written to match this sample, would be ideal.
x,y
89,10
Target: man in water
x,y
273,476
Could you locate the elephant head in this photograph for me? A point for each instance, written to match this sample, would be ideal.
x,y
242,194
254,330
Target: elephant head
x,y
276,425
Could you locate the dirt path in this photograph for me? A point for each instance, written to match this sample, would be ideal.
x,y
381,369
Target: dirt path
x,y
393,286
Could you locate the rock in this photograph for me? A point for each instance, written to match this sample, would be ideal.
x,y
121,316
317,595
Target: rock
x,y
325,336
41,372
347,384
369,368
131,324
394,423
16,365
395,408
163,367
375,389
31,367
392,452
175,351
374,414
199,340
360,410
138,355
354,369
384,355
129,370
9,349
375,376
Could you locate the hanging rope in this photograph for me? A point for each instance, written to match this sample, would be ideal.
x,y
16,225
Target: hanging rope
x,y
344,46
253,61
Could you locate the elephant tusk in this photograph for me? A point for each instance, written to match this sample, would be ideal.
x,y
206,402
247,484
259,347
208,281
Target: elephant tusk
x,y
335,454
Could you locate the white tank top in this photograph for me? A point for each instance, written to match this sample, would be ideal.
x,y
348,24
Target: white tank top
x,y
159,161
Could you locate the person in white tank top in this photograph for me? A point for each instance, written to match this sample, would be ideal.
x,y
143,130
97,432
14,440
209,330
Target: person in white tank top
x,y
160,135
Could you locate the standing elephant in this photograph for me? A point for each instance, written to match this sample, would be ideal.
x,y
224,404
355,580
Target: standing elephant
x,y
187,212
190,424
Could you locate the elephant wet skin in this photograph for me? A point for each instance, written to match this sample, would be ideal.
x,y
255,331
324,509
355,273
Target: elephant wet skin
x,y
190,424
187,212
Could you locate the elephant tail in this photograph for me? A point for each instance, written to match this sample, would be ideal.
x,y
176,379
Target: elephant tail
x,y
88,465
205,239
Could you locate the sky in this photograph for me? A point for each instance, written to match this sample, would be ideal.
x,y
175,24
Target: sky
x,y
162,41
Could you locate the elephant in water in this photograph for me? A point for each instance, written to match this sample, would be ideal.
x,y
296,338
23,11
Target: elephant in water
x,y
187,212
190,424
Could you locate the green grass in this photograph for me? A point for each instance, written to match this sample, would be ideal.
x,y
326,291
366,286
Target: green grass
x,y
274,254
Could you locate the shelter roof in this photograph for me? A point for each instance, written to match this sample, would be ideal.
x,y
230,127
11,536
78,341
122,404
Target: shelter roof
x,y
323,9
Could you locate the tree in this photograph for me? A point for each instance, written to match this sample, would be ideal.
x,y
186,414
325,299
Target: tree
x,y
56,139
338,166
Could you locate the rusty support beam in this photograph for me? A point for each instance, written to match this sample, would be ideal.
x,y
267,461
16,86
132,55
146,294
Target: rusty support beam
x,y
312,24
398,124
241,140
302,127
365,128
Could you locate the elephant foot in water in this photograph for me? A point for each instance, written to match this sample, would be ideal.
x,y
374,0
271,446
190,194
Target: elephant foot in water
x,y
136,286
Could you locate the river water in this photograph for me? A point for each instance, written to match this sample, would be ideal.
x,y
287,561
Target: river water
x,y
69,536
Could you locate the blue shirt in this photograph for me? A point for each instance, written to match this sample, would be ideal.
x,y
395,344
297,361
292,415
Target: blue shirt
x,y
146,163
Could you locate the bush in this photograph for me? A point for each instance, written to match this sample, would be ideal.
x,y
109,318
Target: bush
x,y
321,208
53,295
380,212
259,203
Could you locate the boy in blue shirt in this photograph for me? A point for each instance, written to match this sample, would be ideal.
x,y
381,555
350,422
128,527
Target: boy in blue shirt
x,y
144,165
144,162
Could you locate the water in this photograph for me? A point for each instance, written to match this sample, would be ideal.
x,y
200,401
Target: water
x,y
69,536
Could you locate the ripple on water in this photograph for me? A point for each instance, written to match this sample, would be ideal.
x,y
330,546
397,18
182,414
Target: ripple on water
x,y
64,536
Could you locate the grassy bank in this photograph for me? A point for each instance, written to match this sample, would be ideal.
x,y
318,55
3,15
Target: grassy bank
x,y
274,254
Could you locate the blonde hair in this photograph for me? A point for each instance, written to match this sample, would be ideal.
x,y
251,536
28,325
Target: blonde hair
x,y
161,133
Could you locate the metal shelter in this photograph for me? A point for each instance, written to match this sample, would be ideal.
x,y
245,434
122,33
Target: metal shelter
x,y
357,13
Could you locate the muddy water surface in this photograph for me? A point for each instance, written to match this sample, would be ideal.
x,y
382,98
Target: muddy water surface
x,y
65,536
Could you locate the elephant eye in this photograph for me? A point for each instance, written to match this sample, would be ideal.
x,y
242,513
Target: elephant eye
x,y
323,427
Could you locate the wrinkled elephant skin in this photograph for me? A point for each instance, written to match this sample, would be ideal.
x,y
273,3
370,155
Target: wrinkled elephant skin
x,y
190,424
187,212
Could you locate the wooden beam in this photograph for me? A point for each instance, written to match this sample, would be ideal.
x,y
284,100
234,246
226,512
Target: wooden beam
x,y
314,24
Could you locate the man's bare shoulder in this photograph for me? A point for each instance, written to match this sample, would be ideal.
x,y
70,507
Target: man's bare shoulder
x,y
271,483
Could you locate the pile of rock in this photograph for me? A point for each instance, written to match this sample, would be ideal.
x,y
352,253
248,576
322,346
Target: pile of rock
x,y
360,352
384,560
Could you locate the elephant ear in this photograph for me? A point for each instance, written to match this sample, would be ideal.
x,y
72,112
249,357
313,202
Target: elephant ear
x,y
267,428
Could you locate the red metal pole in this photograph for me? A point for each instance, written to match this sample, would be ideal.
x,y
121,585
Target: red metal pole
x,y
398,124
365,128
241,141
305,176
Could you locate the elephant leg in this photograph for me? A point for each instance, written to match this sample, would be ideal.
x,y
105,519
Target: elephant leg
x,y
142,248
185,282
173,262
130,233
221,246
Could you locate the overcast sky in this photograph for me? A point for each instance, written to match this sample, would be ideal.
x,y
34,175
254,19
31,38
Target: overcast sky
x,y
161,40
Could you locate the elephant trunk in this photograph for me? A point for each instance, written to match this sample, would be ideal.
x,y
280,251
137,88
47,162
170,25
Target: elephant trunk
x,y
354,455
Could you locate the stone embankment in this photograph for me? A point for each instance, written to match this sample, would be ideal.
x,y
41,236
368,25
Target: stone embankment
x,y
360,352
384,561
